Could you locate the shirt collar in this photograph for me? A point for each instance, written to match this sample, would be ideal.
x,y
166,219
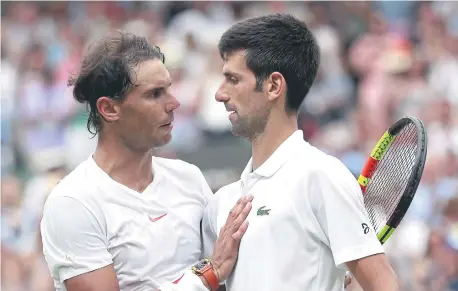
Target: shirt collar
x,y
279,157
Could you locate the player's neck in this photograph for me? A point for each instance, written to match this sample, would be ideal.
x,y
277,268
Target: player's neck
x,y
276,132
131,168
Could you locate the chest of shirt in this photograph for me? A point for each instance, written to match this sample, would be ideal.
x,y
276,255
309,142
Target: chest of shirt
x,y
275,213
280,240
154,235
283,239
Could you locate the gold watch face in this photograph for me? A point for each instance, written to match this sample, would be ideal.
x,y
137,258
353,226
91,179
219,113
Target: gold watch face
x,y
200,266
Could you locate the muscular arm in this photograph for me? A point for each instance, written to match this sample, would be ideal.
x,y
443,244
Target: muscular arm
x,y
103,279
374,273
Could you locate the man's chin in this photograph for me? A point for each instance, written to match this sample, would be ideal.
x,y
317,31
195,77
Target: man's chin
x,y
234,132
239,131
166,139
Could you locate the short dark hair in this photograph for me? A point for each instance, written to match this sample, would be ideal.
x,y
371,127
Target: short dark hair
x,y
276,43
107,70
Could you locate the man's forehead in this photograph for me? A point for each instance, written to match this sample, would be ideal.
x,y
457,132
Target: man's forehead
x,y
234,61
152,72
154,81
237,55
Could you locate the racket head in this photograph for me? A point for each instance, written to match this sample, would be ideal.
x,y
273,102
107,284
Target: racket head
x,y
410,129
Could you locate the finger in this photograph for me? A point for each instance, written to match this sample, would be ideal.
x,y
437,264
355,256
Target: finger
x,y
241,202
238,207
244,213
229,226
241,231
240,219
234,211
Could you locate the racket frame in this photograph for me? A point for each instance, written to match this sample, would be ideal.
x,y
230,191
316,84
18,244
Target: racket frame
x,y
376,156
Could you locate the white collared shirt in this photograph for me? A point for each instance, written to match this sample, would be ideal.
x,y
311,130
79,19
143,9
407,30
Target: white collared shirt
x,y
90,221
305,224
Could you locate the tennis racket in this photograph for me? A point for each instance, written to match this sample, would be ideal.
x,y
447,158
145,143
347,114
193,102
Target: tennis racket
x,y
392,173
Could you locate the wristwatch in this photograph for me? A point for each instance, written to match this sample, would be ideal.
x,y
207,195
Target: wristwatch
x,y
204,268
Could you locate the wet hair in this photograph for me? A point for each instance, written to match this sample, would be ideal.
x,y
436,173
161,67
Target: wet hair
x,y
276,43
107,70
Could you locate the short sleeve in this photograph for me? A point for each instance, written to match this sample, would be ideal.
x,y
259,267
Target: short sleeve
x,y
342,215
73,240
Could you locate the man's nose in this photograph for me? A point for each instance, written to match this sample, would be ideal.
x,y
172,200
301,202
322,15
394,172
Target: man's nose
x,y
221,95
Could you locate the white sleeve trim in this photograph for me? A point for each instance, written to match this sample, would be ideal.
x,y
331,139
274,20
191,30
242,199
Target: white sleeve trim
x,y
69,273
355,253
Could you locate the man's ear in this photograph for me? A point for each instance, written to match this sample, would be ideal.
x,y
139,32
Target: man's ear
x,y
108,109
276,85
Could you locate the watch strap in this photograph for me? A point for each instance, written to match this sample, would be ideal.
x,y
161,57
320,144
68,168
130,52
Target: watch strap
x,y
206,270
211,278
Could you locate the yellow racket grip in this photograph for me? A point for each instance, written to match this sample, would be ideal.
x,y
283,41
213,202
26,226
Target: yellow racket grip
x,y
382,145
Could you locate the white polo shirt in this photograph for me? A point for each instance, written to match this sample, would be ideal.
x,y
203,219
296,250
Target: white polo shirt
x,y
306,221
90,221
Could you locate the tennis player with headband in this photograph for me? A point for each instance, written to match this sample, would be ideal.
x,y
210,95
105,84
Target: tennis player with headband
x,y
124,220
308,224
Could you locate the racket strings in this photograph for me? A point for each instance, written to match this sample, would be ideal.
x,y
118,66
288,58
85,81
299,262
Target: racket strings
x,y
393,182
390,179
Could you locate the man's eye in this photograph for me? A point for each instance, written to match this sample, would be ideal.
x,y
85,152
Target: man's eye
x,y
233,81
157,93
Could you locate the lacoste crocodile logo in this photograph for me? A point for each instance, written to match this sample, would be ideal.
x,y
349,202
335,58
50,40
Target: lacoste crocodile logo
x,y
262,211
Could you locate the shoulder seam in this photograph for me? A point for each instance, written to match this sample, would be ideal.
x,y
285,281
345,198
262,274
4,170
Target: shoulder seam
x,y
87,209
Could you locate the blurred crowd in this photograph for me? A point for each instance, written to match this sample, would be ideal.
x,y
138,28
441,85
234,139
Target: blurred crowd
x,y
380,61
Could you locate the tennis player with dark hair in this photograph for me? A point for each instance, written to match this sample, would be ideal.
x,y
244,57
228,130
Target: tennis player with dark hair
x,y
123,219
308,224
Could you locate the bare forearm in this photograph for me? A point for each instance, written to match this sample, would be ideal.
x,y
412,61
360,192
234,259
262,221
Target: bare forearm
x,y
374,273
381,284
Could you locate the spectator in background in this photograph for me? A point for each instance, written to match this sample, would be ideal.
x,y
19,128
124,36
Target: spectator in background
x,y
22,262
440,271
8,74
373,95
11,216
44,116
211,116
38,36
187,135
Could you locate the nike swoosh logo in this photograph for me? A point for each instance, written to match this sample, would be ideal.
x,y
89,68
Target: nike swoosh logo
x,y
178,280
154,219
